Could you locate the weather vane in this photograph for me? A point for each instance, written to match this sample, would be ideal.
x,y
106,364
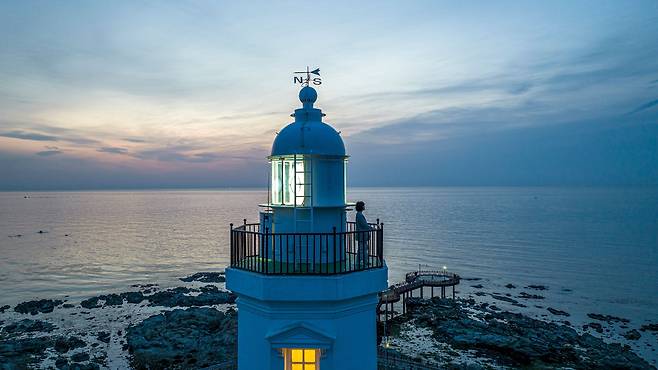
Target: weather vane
x,y
307,81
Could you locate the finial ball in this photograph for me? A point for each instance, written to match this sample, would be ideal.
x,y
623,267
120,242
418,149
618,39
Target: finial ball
x,y
308,95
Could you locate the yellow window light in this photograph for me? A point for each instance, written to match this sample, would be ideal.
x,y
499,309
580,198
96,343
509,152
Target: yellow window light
x,y
309,356
297,356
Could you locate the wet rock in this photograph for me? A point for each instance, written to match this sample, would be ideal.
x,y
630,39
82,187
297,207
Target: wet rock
x,y
112,300
79,366
504,299
557,312
23,353
649,327
80,357
206,277
61,363
35,307
607,318
537,287
477,286
594,325
29,326
63,345
190,338
514,340
510,286
632,335
180,297
103,336
525,295
67,305
4,308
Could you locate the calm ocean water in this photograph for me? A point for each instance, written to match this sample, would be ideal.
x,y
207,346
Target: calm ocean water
x,y
596,249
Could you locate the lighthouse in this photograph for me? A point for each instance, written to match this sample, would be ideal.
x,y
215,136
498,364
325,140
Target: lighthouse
x,y
306,278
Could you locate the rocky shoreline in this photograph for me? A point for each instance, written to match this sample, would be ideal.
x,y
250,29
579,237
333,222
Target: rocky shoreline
x,y
464,333
194,326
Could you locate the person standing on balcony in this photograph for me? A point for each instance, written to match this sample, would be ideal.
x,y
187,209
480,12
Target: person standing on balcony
x,y
362,236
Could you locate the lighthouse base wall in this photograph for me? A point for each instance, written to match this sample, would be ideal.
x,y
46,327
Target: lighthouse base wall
x,y
334,314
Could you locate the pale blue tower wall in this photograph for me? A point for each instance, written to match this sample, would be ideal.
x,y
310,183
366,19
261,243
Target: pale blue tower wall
x,y
336,313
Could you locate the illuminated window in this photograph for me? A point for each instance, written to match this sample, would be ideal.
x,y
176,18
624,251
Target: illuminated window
x,y
289,181
302,359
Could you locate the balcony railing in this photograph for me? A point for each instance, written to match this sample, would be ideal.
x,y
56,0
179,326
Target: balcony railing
x,y
331,253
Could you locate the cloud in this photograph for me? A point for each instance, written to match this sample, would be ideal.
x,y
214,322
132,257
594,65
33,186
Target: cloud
x,y
23,135
645,106
134,140
113,150
48,153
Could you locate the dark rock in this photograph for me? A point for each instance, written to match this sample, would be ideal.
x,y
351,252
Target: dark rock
x,y
179,297
203,336
525,295
4,308
537,287
80,357
514,340
61,363
103,336
632,335
557,312
206,277
504,299
112,300
67,305
63,345
133,297
29,326
78,366
510,286
480,294
477,286
34,307
594,325
650,327
23,353
607,318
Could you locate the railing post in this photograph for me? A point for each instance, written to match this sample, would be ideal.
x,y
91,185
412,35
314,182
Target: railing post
x,y
232,248
334,249
264,248
381,245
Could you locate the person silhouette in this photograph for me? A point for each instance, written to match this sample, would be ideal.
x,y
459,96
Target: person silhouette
x,y
362,236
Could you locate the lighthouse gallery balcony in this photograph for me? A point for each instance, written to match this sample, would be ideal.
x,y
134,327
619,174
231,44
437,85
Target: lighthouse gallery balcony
x,y
306,253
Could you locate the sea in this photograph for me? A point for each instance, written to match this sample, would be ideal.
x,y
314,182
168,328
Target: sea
x,y
595,250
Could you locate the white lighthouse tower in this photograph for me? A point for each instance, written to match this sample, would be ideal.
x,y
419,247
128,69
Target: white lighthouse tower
x,y
306,300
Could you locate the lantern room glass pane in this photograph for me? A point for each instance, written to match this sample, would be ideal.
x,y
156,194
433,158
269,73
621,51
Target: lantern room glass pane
x,y
289,181
276,182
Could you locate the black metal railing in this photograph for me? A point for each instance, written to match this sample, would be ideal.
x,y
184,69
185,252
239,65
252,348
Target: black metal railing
x,y
327,253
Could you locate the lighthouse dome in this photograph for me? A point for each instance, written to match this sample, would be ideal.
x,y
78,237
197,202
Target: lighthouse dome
x,y
308,134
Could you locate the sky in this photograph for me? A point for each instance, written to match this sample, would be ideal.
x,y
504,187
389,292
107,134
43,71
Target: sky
x,y
190,94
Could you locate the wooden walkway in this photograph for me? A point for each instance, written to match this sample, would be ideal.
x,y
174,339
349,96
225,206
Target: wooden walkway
x,y
416,280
